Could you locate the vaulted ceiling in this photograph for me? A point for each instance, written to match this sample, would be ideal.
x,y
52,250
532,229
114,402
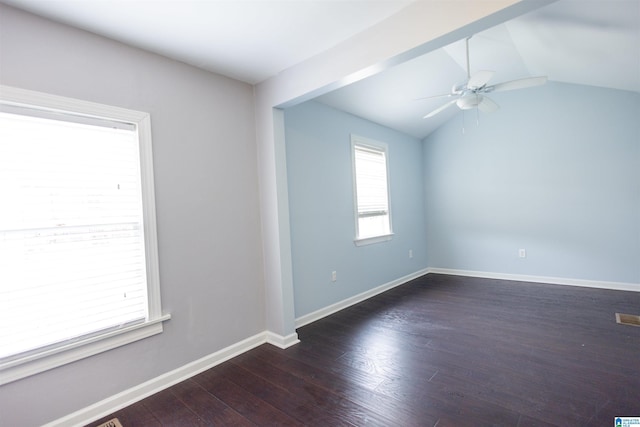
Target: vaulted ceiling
x,y
595,43
589,42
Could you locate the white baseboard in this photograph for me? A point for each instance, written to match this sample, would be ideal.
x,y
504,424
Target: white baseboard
x,y
618,286
333,308
282,342
116,402
326,311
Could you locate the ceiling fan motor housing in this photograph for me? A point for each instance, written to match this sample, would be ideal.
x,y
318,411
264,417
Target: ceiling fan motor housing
x,y
469,100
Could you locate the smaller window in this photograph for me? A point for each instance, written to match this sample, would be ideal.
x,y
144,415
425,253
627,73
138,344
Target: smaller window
x,y
371,188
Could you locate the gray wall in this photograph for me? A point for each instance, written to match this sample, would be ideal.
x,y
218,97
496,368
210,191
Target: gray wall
x,y
321,206
555,171
207,205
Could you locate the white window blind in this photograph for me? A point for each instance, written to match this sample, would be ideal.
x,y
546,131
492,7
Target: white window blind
x,y
78,257
371,189
71,237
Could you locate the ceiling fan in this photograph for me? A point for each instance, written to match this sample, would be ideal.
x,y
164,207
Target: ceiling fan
x,y
472,93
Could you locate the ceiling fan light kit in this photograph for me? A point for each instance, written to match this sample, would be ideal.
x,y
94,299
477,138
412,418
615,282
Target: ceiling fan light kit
x,y
469,101
472,93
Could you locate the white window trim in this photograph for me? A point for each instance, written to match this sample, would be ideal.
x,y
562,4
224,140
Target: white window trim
x,y
371,240
377,145
37,362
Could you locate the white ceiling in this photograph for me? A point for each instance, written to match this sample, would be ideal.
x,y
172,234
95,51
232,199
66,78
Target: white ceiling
x,y
590,42
248,40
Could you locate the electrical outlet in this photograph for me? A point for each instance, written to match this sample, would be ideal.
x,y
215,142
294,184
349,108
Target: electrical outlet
x,y
410,253
522,253
334,276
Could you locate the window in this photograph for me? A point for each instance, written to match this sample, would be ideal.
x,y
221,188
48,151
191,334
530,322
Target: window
x,y
78,251
371,188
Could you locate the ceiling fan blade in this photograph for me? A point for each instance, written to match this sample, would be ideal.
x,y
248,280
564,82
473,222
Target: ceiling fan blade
x,y
518,84
441,108
433,97
487,105
479,79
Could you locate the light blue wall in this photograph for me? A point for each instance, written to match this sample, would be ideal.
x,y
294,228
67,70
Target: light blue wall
x,y
322,209
555,171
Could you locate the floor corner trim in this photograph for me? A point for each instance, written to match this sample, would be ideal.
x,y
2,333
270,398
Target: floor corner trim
x,y
281,341
612,285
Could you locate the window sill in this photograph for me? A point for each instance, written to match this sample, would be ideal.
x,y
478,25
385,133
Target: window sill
x,y
39,362
372,240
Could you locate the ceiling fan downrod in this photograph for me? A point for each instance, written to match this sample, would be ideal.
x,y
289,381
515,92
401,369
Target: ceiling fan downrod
x,y
468,66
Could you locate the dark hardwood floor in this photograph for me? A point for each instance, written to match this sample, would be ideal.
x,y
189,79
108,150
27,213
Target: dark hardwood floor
x,y
438,351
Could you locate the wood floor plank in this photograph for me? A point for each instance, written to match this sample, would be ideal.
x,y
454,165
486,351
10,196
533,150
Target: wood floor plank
x,y
354,385
207,406
171,411
308,393
312,411
243,401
